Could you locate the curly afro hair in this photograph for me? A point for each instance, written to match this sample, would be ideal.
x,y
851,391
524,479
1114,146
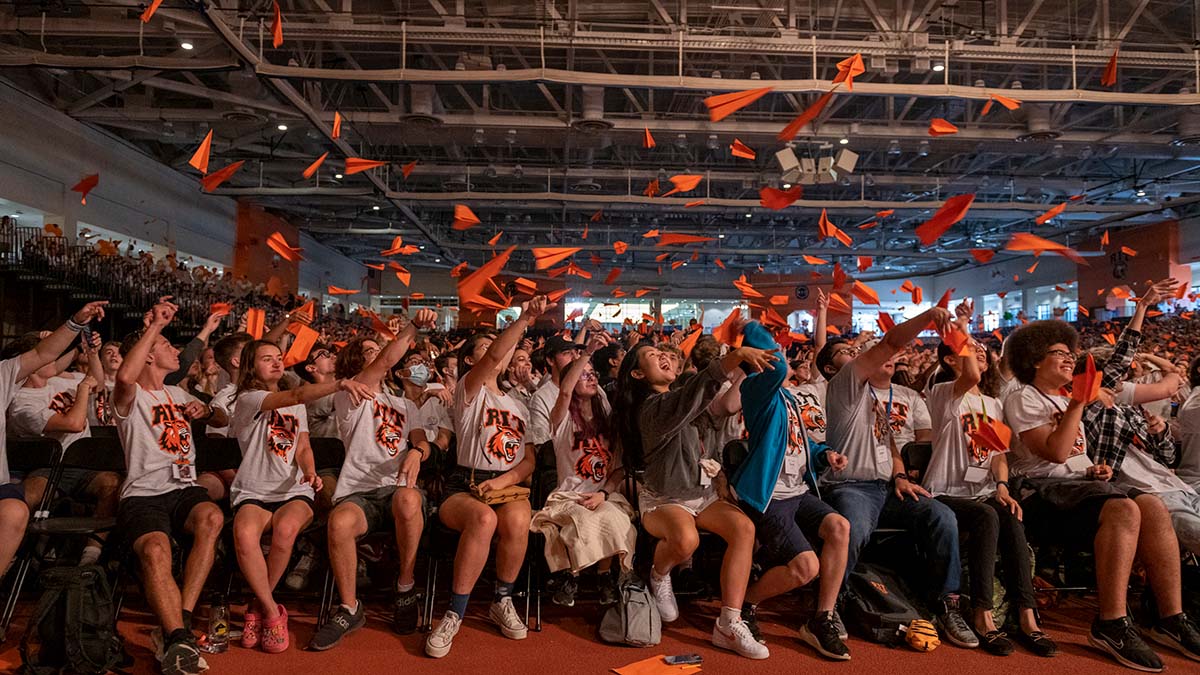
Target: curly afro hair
x,y
1027,346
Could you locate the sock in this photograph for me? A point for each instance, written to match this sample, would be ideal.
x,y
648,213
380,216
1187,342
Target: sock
x,y
458,603
729,615
656,577
405,588
90,555
187,619
177,635
504,589
352,609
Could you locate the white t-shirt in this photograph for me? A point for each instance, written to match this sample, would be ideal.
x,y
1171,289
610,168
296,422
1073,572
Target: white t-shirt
x,y
1140,471
795,459
1027,408
490,430
376,435
1189,430
856,428
540,405
908,412
223,401
9,386
160,455
322,418
268,439
953,449
435,417
584,462
811,397
31,409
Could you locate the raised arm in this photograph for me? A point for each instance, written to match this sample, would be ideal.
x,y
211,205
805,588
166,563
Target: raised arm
x,y
968,368
758,388
74,420
492,363
54,344
898,338
820,333
391,354
1155,294
566,388
135,361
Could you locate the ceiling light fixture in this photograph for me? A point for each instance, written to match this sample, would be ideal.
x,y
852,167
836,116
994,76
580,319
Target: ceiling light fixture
x,y
787,186
186,46
749,215
1140,192
282,127
375,208
844,141
938,67
719,236
337,176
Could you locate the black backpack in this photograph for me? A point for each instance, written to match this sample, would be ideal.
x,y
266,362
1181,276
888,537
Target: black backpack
x,y
877,605
73,629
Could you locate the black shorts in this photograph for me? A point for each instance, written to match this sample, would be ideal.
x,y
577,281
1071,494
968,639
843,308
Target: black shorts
x,y
12,491
166,513
73,482
376,506
272,507
1065,511
789,526
459,480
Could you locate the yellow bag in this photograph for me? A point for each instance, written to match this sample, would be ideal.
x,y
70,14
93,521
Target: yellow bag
x,y
921,635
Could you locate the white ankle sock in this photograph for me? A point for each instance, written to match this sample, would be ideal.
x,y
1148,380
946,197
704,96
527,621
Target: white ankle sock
x,y
729,615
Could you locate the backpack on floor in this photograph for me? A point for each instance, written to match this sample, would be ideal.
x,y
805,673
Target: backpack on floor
x,y
634,620
73,629
877,605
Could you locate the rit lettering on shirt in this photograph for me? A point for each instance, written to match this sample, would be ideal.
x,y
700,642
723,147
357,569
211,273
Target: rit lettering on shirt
x,y
594,458
971,422
176,436
389,427
282,433
508,432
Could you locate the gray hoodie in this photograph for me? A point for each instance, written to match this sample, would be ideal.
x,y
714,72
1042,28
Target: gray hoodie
x,y
670,439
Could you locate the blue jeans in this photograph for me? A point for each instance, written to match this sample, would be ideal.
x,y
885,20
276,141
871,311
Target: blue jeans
x,y
871,504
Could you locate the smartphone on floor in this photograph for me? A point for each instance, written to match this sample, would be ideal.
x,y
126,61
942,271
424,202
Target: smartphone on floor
x,y
683,659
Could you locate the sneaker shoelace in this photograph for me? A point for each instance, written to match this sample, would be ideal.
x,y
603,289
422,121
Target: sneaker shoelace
x,y
956,623
508,613
741,631
828,630
447,627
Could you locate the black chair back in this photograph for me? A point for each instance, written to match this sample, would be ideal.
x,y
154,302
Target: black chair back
x,y
916,457
30,454
95,454
328,452
214,453
104,432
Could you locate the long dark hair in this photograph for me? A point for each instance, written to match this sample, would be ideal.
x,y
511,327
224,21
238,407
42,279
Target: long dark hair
x,y
598,426
989,383
626,425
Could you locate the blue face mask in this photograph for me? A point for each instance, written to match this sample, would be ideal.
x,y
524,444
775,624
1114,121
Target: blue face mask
x,y
419,374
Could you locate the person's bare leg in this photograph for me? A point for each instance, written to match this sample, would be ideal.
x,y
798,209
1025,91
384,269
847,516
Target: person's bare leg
x,y
286,525
1115,546
204,523
512,523
35,489
476,522
675,530
347,523
783,578
14,516
105,488
835,543
213,484
729,523
410,522
249,523
154,553
1158,550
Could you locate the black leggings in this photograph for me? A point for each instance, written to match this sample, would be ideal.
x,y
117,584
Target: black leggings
x,y
985,526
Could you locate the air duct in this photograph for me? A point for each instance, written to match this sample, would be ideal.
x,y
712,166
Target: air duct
x,y
1188,120
593,111
420,106
1037,122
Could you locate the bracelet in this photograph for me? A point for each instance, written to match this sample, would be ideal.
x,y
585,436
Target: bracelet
x,y
1002,482
75,327
605,493
900,476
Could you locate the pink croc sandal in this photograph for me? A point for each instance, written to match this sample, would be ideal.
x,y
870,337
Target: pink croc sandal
x,y
252,628
275,633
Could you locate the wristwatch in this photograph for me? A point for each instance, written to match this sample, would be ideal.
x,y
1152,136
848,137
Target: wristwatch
x,y
900,476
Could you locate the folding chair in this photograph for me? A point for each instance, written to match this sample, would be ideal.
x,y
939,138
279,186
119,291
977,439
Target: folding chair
x,y
26,455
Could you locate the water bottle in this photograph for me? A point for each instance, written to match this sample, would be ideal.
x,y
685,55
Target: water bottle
x,y
218,627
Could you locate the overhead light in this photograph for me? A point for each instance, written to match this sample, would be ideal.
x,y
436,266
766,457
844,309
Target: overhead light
x,y
923,149
749,215
685,263
787,186
422,247
337,176
938,67
844,141
185,45
437,260
282,127
893,147
375,208
1140,192
719,236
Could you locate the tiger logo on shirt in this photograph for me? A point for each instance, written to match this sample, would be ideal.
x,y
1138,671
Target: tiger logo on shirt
x,y
899,417
593,460
970,423
795,435
281,433
176,436
507,436
103,412
62,402
389,428
1080,445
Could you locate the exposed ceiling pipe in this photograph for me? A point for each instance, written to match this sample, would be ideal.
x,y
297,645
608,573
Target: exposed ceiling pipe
x,y
288,92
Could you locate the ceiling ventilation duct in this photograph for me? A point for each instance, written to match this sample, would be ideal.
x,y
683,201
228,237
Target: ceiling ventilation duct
x,y
593,111
420,106
587,185
1188,131
1038,124
245,84
457,183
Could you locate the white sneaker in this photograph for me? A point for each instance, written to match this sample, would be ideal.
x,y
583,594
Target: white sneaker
x,y
664,597
504,615
738,638
297,579
441,639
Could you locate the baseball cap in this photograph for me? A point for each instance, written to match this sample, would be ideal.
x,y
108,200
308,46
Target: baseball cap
x,y
558,344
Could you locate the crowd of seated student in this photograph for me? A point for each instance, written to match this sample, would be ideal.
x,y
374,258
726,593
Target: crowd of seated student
x,y
820,471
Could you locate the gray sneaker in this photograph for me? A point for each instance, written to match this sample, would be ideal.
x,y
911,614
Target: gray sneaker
x,y
951,625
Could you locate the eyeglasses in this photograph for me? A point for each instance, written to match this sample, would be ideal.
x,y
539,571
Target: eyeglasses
x,y
1062,354
848,351
322,354
591,375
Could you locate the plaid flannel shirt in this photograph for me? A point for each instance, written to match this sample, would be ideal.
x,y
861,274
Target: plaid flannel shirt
x,y
1111,431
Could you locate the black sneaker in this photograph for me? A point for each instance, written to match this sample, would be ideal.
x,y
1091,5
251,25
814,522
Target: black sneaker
x,y
951,625
840,625
1121,640
406,612
750,616
1037,642
996,643
609,592
565,595
182,657
1179,633
821,633
341,624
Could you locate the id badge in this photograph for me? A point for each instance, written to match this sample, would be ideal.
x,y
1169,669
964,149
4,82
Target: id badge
x,y
705,479
1079,463
791,464
883,454
184,473
976,474
402,481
